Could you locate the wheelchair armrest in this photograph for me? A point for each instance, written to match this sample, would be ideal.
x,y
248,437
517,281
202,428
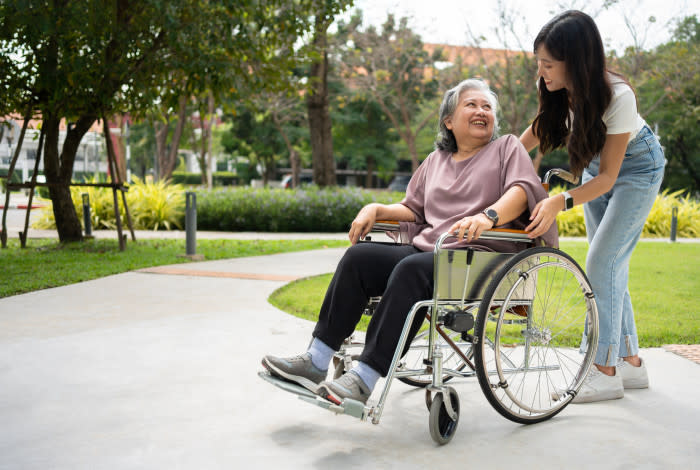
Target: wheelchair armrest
x,y
386,226
506,234
501,234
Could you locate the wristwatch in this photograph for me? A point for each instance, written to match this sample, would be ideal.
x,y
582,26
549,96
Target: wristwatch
x,y
568,201
492,215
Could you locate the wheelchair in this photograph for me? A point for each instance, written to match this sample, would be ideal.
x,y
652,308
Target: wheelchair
x,y
525,324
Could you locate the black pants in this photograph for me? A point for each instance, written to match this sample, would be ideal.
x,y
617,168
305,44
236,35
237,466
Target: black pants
x,y
401,274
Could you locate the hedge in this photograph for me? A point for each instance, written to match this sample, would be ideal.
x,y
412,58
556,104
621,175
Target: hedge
x,y
283,210
220,178
310,209
332,210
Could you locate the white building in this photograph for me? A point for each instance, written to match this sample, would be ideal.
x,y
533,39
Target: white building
x,y
90,159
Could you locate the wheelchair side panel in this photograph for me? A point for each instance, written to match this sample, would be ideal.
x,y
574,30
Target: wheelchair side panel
x,y
454,271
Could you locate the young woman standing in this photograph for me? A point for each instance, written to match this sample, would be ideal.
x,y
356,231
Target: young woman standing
x,y
593,113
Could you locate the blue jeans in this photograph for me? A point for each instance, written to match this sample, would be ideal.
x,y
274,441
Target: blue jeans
x,y
614,223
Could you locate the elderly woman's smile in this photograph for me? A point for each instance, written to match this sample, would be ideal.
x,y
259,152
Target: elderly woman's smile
x,y
472,122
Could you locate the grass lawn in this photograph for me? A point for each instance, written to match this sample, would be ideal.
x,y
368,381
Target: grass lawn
x,y
664,284
47,263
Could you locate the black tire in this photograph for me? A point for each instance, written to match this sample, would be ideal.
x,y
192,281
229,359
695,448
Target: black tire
x,y
528,332
442,426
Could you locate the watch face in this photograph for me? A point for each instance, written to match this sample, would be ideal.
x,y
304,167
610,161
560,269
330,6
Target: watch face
x,y
568,201
492,214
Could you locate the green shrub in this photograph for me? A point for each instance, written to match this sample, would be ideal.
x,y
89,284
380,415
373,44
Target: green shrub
x,y
658,223
183,177
16,178
333,209
153,206
282,210
156,206
220,178
225,178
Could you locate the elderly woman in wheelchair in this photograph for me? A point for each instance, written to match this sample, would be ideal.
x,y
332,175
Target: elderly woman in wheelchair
x,y
470,184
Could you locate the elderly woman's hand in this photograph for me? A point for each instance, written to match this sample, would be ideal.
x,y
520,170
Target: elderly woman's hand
x,y
363,223
472,227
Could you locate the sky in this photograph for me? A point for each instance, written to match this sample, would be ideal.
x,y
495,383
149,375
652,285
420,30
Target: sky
x,y
450,21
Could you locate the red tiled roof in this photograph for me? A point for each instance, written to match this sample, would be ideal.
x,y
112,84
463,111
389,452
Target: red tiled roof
x,y
474,55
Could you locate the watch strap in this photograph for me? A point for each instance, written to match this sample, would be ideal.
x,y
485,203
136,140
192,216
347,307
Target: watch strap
x,y
568,201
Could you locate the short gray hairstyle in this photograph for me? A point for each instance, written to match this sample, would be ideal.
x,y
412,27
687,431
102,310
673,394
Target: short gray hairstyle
x,y
445,138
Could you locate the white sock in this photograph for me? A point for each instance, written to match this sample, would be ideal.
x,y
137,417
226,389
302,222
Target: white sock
x,y
321,354
368,375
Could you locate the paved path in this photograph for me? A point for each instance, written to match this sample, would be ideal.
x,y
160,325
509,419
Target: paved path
x,y
147,370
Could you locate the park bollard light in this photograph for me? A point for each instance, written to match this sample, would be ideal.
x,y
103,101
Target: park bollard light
x,y
87,219
674,223
191,223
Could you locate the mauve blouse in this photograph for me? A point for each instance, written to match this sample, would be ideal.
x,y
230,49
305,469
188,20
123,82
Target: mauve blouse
x,y
442,191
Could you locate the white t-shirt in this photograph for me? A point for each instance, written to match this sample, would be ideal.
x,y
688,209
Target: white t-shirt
x,y
621,115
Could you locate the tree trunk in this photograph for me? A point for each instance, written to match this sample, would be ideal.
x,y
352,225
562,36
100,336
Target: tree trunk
x,y
119,144
268,168
167,159
206,124
295,162
59,171
161,130
319,117
410,139
683,153
370,172
294,159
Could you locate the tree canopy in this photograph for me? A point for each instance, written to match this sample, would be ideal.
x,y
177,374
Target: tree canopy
x,y
392,67
84,60
671,92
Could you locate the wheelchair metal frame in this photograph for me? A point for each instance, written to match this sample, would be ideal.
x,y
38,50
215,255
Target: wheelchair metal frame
x,y
495,285
471,288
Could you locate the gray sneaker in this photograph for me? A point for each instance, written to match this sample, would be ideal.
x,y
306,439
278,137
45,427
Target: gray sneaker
x,y
349,385
297,369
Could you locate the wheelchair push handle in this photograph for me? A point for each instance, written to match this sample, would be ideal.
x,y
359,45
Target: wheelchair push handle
x,y
562,174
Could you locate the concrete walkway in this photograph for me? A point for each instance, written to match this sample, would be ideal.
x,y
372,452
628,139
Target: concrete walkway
x,y
149,370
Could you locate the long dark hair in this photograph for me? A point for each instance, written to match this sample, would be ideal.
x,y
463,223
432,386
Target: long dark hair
x,y
573,38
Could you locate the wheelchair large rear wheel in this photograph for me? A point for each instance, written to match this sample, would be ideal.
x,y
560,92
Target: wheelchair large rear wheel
x,y
536,335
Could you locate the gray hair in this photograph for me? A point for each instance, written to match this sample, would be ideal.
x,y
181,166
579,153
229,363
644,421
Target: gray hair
x,y
445,138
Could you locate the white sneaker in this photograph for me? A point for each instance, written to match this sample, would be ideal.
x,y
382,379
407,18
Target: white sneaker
x,y
633,377
599,387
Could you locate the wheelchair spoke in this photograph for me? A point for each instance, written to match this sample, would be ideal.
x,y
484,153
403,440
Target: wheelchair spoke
x,y
523,363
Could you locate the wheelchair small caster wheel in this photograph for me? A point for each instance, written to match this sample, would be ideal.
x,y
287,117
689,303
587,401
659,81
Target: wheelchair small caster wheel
x,y
442,425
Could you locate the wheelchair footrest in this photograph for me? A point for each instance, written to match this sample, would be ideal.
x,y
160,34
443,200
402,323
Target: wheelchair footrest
x,y
286,385
347,407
